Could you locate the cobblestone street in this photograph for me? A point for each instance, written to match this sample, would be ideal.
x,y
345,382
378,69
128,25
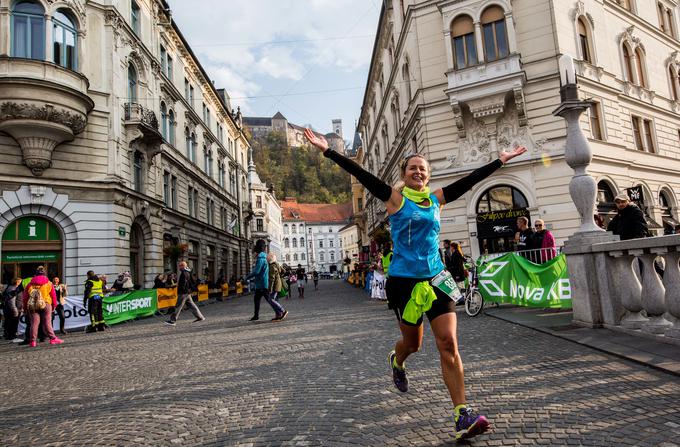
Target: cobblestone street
x,y
321,378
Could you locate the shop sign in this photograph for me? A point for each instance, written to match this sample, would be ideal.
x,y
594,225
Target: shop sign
x,y
30,256
497,224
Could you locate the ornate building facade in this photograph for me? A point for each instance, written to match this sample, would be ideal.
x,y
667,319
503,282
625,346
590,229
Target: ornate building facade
x,y
266,223
116,150
481,76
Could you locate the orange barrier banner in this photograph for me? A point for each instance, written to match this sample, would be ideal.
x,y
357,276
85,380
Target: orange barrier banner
x,y
239,287
225,289
203,292
167,297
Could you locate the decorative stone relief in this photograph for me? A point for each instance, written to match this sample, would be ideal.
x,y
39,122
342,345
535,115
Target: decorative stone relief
x,y
458,118
37,194
14,111
476,147
76,7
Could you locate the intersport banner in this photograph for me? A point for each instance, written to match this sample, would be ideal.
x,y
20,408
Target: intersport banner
x,y
128,306
512,278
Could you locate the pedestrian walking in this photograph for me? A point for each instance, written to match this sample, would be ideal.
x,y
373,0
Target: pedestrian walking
x,y
419,283
261,275
301,280
315,277
39,299
92,300
185,287
275,287
62,291
11,299
629,222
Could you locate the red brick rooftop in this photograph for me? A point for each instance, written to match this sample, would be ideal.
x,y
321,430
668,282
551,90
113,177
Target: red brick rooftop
x,y
315,212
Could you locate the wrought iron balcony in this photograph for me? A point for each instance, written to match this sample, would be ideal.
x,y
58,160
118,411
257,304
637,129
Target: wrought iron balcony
x,y
143,125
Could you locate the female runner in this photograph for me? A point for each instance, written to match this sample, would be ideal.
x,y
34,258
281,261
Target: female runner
x,y
418,281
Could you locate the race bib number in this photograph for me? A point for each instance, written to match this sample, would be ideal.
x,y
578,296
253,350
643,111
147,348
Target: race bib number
x,y
445,282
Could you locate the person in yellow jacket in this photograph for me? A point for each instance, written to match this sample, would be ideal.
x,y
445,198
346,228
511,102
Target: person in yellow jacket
x,y
92,298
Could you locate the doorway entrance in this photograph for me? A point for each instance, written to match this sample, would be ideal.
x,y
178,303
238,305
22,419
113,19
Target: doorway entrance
x,y
497,213
27,243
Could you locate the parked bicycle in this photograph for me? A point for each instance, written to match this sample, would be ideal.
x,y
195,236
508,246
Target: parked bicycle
x,y
472,298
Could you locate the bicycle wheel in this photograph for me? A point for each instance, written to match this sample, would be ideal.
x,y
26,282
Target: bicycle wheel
x,y
474,303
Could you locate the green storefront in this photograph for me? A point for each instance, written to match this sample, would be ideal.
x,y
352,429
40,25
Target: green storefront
x,y
27,243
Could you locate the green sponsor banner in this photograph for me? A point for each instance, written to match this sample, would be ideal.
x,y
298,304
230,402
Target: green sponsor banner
x,y
30,256
128,306
514,279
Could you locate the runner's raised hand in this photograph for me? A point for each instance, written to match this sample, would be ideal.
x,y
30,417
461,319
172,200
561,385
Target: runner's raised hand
x,y
507,156
315,140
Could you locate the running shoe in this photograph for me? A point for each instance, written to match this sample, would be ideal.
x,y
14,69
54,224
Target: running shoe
x,y
170,323
56,341
283,315
398,374
198,320
33,344
470,424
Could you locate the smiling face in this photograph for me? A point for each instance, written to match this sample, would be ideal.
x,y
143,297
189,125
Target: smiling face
x,y
416,173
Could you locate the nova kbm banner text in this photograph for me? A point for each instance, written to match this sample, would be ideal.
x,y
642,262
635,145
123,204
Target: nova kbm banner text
x,y
514,279
128,306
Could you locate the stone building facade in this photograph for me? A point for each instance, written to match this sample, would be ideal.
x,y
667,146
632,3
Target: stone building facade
x,y
116,151
481,76
266,223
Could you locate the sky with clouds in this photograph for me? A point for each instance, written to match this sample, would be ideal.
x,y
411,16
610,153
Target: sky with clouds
x,y
308,59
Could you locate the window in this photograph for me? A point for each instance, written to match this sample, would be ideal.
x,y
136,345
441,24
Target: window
x,y
193,202
321,257
360,203
500,198
258,201
171,127
595,121
673,79
210,211
302,257
464,47
330,230
135,17
626,4
302,242
232,181
494,34
132,84
285,228
295,243
627,63
661,11
309,230
223,218
310,244
64,36
670,28
169,71
330,243
164,55
293,229
28,30
259,224
320,244
164,121
194,146
138,173
637,133
295,257
191,95
395,116
406,75
166,188
332,255
173,192
643,134
220,174
640,65
286,243
288,258
584,41
649,136
186,89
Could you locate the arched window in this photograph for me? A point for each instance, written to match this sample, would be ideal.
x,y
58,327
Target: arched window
x,y
64,36
288,258
132,84
285,228
293,229
28,30
302,257
187,139
500,198
206,159
673,79
406,75
302,242
286,243
494,34
171,127
194,146
294,243
295,256
605,199
627,63
464,46
321,257
394,108
640,66
164,121
584,41
138,171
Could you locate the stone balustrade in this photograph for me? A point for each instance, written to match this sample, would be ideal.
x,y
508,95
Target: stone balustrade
x,y
636,289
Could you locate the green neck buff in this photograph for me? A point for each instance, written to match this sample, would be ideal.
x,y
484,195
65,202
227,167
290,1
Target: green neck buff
x,y
416,196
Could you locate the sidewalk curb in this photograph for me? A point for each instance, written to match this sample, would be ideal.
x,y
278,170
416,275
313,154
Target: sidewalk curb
x,y
596,348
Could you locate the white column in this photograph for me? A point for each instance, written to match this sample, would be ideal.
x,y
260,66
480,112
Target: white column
x,y
448,43
4,36
49,51
512,36
479,42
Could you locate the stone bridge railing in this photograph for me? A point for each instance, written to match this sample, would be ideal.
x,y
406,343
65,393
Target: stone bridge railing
x,y
626,288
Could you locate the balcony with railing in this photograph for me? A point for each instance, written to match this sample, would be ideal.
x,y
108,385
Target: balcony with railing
x,y
41,105
142,127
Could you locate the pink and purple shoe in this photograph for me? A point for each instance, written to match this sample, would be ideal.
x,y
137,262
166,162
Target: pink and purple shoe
x,y
470,424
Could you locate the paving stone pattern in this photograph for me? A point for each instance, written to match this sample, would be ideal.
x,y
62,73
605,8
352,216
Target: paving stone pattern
x,y
321,378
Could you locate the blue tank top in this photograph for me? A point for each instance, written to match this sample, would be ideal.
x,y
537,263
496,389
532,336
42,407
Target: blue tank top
x,y
415,236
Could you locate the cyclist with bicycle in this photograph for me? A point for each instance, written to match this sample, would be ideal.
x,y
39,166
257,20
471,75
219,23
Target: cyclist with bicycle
x,y
419,283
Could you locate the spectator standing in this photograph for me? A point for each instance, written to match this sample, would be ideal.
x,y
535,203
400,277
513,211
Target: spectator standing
x,y
301,279
40,289
261,275
92,299
524,238
629,222
275,286
159,281
12,309
185,287
545,241
315,277
62,291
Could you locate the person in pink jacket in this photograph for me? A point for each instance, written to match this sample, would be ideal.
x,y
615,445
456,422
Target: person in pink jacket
x,y
43,316
544,240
